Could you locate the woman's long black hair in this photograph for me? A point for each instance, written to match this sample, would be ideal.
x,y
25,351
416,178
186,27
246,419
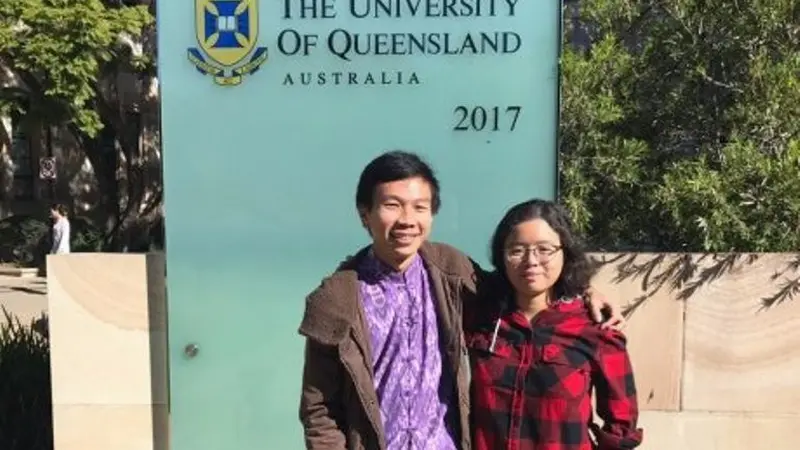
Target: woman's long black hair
x,y
578,269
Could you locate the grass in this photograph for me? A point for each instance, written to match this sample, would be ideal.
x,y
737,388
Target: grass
x,y
25,395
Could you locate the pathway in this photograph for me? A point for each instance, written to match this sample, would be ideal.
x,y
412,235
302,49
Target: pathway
x,y
24,298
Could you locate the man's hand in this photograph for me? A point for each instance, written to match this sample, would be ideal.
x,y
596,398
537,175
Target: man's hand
x,y
602,308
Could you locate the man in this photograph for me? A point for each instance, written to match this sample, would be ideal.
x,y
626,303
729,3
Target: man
x,y
61,229
385,364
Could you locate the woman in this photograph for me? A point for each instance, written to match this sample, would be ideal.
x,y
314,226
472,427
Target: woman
x,y
536,353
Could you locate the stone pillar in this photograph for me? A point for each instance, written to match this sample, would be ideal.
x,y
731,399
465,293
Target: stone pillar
x,y
107,316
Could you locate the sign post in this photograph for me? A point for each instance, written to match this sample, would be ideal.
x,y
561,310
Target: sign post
x,y
270,111
49,172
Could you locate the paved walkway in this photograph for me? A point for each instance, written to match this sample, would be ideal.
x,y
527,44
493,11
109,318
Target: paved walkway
x,y
24,298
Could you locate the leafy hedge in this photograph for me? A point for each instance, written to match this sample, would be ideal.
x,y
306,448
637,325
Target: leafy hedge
x,y
680,124
25,394
25,240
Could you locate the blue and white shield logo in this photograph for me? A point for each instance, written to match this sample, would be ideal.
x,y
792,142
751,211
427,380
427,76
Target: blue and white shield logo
x,y
227,34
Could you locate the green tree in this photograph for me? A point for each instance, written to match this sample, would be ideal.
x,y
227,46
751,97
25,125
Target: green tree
x,y
681,124
65,58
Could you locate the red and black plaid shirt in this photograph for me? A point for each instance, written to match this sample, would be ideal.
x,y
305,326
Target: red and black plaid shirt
x,y
532,389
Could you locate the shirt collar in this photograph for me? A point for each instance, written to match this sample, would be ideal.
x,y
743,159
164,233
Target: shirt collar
x,y
567,304
374,269
562,305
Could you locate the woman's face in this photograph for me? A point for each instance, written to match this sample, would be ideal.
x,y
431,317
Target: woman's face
x,y
533,257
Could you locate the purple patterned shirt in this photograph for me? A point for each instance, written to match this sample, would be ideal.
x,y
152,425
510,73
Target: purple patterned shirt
x,y
413,390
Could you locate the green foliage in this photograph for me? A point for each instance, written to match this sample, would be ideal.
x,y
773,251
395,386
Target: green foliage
x,y
25,240
58,49
86,238
25,404
681,125
750,199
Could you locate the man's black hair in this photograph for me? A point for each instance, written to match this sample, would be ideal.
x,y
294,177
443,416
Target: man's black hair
x,y
394,166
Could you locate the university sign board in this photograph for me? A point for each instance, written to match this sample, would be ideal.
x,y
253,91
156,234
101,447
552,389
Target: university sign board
x,y
270,109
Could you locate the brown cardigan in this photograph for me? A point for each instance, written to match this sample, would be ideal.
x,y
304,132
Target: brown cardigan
x,y
339,406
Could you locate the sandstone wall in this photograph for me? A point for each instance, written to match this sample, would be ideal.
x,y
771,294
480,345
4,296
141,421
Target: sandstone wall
x,y
715,342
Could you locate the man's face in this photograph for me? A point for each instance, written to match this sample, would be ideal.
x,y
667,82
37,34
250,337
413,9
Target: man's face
x,y
400,219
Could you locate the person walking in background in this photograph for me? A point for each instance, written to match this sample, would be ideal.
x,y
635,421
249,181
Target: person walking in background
x,y
61,229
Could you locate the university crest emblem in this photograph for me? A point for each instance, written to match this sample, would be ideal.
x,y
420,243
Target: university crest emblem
x,y
227,32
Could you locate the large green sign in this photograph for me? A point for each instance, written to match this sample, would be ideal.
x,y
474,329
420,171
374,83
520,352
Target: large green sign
x,y
270,111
